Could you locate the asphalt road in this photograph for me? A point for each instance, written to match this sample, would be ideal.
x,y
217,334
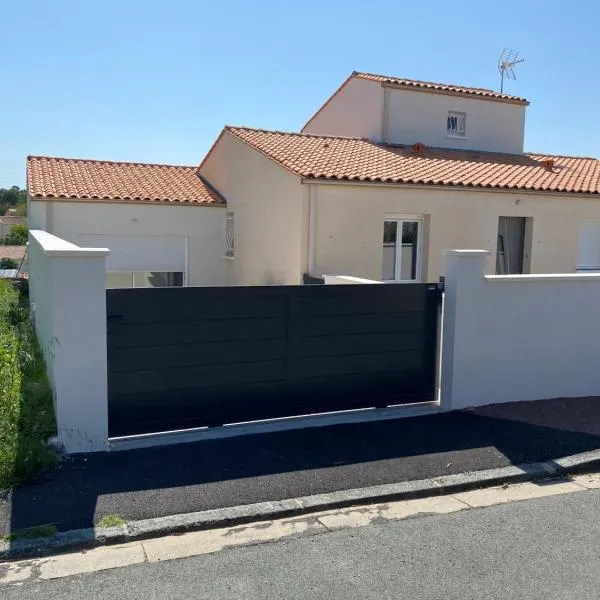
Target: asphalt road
x,y
156,482
545,548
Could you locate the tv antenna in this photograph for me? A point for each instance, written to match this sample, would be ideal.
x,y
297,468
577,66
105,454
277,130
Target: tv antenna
x,y
507,62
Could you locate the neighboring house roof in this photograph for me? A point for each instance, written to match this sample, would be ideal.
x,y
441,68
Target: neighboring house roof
x,y
14,252
354,159
440,87
71,178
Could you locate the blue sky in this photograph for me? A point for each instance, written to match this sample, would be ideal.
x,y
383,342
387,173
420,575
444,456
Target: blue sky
x,y
155,81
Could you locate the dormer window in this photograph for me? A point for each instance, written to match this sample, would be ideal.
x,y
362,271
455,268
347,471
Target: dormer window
x,y
456,124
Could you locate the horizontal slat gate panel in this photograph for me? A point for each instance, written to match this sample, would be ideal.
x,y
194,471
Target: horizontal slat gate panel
x,y
190,304
129,335
190,357
347,364
197,378
195,354
326,345
357,323
140,413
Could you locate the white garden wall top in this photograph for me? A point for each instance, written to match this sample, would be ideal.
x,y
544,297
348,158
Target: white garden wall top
x,y
510,338
67,290
55,246
346,280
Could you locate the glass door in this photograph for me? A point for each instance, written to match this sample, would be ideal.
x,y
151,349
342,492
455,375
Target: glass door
x,y
401,250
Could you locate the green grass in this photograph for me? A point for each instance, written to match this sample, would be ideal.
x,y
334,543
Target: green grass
x,y
111,521
33,533
26,413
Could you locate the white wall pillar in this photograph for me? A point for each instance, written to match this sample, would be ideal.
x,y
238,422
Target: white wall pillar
x,y
464,274
68,297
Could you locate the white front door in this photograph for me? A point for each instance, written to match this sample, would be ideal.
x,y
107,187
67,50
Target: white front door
x,y
401,249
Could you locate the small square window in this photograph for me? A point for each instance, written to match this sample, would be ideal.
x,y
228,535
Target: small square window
x,y
456,124
229,235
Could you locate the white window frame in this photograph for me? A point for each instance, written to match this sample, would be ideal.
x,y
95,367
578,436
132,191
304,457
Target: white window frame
x,y
229,247
400,219
461,125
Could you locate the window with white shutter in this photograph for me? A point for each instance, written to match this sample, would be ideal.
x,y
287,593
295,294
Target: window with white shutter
x,y
456,125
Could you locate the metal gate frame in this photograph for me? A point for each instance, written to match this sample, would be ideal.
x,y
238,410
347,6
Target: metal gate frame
x,y
306,350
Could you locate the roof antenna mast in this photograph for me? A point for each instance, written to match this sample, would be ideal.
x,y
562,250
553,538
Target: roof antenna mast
x,y
508,60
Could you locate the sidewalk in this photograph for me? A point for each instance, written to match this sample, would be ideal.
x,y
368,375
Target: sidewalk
x,y
148,483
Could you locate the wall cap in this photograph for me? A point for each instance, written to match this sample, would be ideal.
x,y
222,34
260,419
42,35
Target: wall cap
x,y
543,277
349,279
52,245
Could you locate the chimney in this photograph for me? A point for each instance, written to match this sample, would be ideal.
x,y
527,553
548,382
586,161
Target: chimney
x,y
419,148
548,164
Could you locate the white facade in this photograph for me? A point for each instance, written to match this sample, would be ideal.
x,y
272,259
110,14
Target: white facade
x,y
491,126
348,221
510,338
390,114
355,110
142,236
269,205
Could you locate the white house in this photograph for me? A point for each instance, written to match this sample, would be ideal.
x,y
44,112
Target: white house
x,y
163,224
385,176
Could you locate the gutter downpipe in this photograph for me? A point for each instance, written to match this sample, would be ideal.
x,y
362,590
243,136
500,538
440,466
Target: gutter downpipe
x,y
312,216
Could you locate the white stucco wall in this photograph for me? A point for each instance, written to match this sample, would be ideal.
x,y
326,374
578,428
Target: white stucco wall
x,y
348,225
269,207
68,300
366,109
413,117
517,337
201,229
355,110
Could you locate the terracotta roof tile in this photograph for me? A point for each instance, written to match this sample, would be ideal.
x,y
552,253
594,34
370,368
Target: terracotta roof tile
x,y
354,159
119,181
442,87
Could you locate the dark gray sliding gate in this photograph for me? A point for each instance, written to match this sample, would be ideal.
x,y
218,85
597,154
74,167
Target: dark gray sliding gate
x,y
190,357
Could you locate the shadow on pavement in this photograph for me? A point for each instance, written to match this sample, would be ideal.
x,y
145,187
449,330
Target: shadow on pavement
x,y
213,474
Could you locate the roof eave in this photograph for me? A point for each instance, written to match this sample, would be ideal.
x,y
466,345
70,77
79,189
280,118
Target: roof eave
x,y
455,93
438,186
157,202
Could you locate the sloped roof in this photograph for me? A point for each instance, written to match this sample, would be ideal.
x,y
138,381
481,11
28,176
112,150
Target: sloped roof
x,y
72,178
354,159
441,87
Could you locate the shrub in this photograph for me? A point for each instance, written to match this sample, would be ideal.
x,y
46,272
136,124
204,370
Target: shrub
x,y
26,413
8,263
17,235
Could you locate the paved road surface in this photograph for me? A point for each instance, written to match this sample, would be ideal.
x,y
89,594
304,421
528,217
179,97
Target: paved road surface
x,y
545,548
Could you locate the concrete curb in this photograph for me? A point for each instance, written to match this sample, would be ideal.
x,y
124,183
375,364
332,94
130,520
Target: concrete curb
x,y
225,517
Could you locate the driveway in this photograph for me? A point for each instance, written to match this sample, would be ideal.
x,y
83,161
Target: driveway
x,y
161,481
